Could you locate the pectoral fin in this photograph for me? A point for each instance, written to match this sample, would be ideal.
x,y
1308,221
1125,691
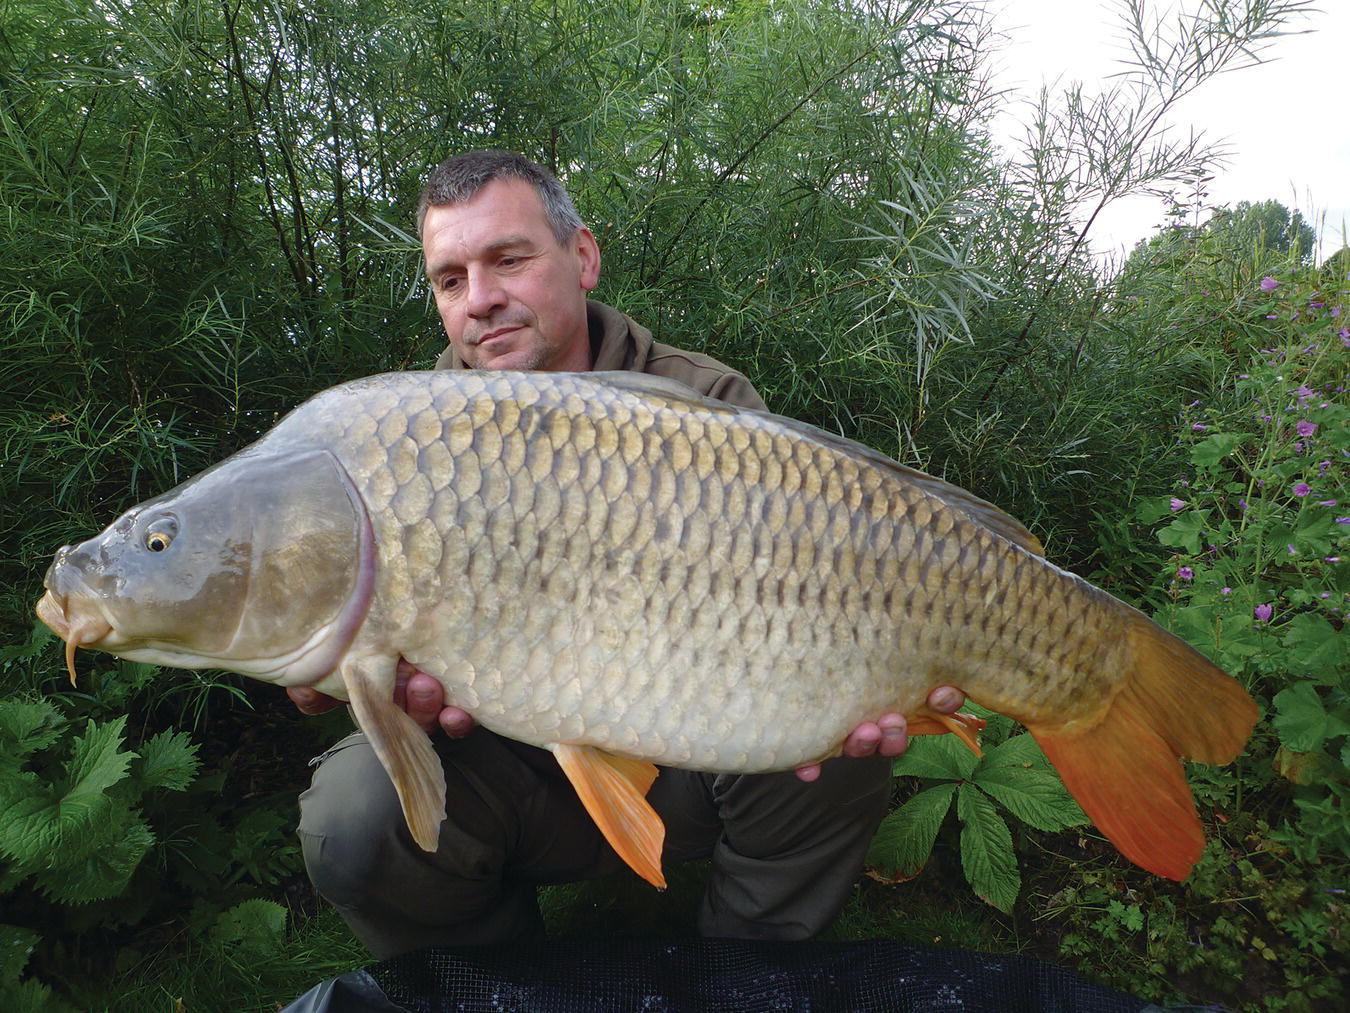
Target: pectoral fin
x,y
403,748
613,789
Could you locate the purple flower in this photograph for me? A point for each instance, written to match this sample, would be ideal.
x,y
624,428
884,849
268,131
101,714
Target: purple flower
x,y
1177,504
1269,284
1331,559
1302,489
1335,311
1306,428
1185,573
1298,446
1262,612
1316,305
1343,520
1225,591
1199,427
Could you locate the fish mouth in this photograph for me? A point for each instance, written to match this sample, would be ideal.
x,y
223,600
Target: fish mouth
x,y
77,627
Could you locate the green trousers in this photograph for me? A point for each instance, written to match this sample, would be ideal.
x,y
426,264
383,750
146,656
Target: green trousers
x,y
785,854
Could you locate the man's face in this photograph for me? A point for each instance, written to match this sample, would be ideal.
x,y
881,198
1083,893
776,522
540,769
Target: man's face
x,y
509,296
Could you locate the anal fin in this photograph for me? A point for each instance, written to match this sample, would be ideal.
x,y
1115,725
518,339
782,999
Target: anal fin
x,y
965,727
402,747
613,789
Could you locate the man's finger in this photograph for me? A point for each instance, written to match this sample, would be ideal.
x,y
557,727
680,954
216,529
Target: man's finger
x,y
311,701
457,723
424,697
946,700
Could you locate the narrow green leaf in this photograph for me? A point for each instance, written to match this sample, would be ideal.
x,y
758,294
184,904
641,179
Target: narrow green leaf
x,y
986,850
905,838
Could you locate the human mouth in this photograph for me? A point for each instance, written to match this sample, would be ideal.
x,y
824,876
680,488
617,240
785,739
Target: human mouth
x,y
500,332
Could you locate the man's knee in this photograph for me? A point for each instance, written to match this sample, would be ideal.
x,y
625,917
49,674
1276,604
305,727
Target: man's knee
x,y
350,820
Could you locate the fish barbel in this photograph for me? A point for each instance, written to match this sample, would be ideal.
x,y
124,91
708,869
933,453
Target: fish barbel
x,y
624,572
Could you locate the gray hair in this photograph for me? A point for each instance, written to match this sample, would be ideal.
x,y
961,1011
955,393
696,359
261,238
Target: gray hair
x,y
458,179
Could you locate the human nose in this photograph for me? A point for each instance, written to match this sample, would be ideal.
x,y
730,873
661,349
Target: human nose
x,y
485,293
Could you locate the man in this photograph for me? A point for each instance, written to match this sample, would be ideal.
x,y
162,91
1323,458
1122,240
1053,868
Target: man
x,y
510,264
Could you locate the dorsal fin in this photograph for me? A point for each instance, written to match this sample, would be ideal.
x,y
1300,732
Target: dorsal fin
x,y
980,511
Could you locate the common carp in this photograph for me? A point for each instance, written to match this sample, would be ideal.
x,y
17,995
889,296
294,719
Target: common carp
x,y
629,574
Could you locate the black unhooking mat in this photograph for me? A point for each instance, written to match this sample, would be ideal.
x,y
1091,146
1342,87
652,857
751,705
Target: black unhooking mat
x,y
603,975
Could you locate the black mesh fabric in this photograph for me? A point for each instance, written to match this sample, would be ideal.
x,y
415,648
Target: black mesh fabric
x,y
732,975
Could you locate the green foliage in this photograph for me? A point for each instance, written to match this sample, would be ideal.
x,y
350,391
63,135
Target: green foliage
x,y
1014,774
206,217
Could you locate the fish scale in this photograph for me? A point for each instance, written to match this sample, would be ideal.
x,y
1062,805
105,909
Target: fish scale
x,y
611,566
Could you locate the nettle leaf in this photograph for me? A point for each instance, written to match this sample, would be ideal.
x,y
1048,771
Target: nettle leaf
x,y
42,821
1028,789
97,763
905,838
942,756
16,946
1313,646
1212,449
27,726
254,924
169,761
986,849
1302,720
102,872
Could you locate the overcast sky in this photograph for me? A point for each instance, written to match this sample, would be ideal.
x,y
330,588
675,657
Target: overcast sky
x,y
1284,121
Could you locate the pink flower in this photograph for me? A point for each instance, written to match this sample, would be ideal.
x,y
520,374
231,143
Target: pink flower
x,y
1269,284
1262,612
1177,504
1302,489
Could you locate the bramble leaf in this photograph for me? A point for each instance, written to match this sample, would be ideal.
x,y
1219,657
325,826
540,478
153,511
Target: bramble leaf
x,y
986,849
905,838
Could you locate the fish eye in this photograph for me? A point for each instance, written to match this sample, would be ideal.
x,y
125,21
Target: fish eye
x,y
160,535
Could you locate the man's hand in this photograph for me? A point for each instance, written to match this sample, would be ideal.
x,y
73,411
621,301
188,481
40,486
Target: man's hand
x,y
414,691
889,734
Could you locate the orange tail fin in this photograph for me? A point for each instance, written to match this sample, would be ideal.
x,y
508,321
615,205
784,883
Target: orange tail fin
x,y
1122,763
